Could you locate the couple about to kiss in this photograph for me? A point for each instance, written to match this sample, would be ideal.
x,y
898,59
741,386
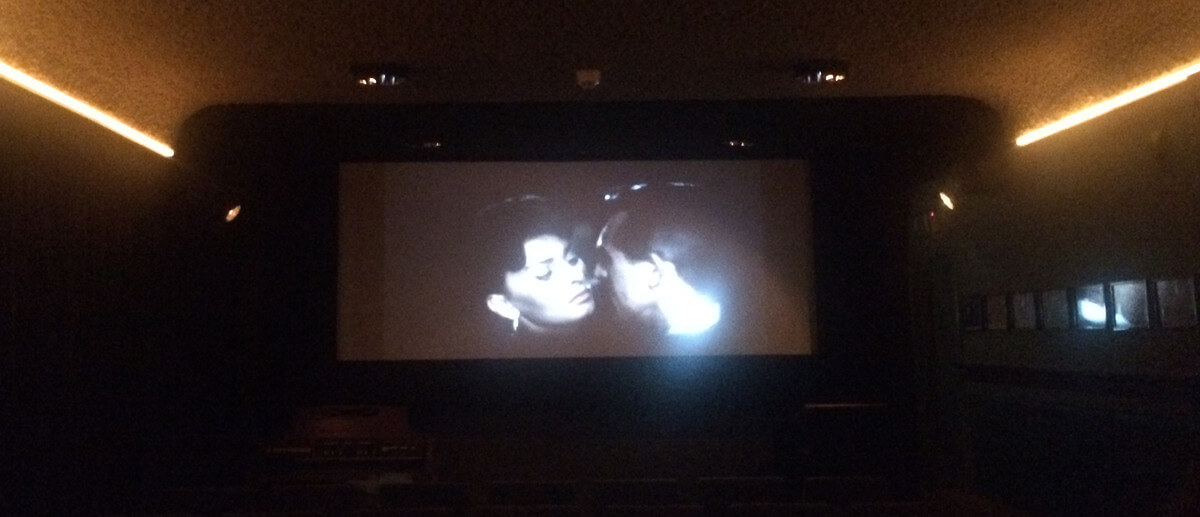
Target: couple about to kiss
x,y
657,265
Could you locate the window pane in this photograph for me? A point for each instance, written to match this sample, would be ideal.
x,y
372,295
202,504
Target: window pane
x,y
1090,310
970,313
1130,305
1024,311
1056,313
1177,302
997,312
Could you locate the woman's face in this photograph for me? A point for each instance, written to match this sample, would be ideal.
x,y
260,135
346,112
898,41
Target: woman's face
x,y
551,290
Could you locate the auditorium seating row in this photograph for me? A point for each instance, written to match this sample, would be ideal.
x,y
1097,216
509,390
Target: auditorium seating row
x,y
867,496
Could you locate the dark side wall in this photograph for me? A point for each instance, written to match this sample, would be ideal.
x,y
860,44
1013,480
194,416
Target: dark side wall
x,y
77,206
101,308
1069,418
1112,200
152,344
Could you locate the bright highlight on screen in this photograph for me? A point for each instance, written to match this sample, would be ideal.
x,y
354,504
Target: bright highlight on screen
x,y
1101,108
54,95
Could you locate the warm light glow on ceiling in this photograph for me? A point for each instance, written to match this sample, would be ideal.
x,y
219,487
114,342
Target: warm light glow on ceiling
x,y
1101,108
53,95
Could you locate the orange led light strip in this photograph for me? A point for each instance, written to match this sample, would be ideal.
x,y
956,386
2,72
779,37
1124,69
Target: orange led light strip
x,y
82,108
1103,107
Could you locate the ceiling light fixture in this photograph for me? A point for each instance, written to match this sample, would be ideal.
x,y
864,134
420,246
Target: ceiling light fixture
x,y
52,94
821,71
1103,107
382,74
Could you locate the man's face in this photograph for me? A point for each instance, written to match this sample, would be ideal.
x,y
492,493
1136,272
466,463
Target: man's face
x,y
551,289
632,282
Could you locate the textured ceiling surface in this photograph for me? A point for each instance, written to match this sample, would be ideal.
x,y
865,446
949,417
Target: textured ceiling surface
x,y
155,62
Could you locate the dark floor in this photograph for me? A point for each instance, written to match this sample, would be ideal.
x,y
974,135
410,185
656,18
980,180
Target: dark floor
x,y
650,497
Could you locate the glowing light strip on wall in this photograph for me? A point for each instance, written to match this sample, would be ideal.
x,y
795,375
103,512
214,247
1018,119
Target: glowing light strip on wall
x,y
1101,108
53,95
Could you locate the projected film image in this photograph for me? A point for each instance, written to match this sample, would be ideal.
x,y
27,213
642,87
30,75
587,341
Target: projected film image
x,y
495,260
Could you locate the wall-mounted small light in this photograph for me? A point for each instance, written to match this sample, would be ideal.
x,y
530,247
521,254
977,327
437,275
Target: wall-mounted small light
x,y
946,200
822,71
426,145
587,78
232,213
380,74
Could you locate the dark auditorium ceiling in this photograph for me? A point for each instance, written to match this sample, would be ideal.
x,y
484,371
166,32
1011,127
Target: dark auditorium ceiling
x,y
153,63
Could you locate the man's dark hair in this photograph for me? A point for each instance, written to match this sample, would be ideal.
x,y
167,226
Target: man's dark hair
x,y
673,224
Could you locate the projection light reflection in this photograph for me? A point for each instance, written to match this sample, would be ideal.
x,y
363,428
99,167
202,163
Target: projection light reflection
x,y
1091,314
81,108
689,312
1090,309
1130,305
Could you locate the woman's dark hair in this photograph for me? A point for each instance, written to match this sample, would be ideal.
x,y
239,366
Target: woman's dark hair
x,y
502,228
